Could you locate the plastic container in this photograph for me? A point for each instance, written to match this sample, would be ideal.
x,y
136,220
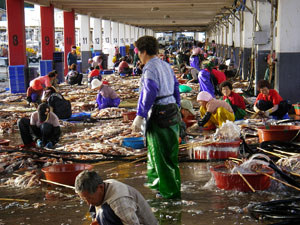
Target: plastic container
x,y
184,88
277,133
46,66
17,79
106,72
182,81
229,181
218,150
136,142
297,109
129,116
123,74
65,173
4,142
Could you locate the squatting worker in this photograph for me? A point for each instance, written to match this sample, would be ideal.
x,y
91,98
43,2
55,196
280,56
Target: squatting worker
x,y
112,202
159,91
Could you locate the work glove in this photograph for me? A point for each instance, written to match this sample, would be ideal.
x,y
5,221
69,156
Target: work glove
x,y
39,143
267,114
137,124
29,99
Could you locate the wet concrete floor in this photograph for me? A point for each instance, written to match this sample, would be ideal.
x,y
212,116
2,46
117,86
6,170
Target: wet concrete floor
x,y
201,203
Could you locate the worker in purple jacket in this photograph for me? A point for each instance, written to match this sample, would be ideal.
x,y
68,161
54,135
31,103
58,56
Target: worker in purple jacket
x,y
159,92
106,97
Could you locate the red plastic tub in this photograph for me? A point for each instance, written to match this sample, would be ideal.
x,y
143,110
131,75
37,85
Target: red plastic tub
x,y
4,142
228,181
277,133
65,173
129,116
218,150
182,81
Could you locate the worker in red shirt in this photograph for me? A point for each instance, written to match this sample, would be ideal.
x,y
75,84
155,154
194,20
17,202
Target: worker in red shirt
x,y
234,100
219,74
269,102
94,74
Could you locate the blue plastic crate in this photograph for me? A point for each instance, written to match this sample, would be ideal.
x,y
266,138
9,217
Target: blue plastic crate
x,y
79,66
17,79
46,66
123,51
95,53
105,72
136,142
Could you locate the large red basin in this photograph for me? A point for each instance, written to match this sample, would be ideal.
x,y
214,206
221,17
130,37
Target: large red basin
x,y
277,133
228,181
65,173
218,150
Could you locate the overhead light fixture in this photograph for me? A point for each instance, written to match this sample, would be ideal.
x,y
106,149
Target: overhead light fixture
x,y
166,16
173,21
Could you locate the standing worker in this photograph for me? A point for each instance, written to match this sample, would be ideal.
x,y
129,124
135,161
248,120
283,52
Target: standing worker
x,y
112,202
159,91
72,57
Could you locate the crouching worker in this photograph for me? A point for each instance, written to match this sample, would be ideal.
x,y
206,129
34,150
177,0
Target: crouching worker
x,y
34,92
73,77
113,202
269,102
106,97
234,100
59,105
213,112
41,130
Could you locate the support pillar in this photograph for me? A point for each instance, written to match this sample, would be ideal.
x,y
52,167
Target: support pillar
x,y
263,16
287,79
132,35
47,39
237,43
115,34
97,35
16,46
136,33
107,43
247,41
16,32
127,35
85,41
122,39
69,35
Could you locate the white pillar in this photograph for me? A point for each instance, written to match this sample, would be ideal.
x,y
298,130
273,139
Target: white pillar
x,y
136,33
132,35
229,34
85,41
287,80
122,34
115,34
127,35
97,35
107,46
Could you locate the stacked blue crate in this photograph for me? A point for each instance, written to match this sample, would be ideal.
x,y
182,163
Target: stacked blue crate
x,y
95,53
17,80
123,51
79,66
46,66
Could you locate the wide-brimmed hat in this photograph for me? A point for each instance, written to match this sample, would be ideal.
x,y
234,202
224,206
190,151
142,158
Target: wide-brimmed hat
x,y
96,83
186,104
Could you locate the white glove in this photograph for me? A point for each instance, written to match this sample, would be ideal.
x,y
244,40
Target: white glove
x,y
267,114
137,124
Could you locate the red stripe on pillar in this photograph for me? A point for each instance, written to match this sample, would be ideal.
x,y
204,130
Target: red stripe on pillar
x,y
69,34
47,32
16,32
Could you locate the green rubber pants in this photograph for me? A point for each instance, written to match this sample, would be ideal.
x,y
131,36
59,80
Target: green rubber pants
x,y
162,168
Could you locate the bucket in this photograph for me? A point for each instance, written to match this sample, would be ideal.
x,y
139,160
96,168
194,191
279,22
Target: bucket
x,y
136,142
297,109
218,150
182,81
4,142
65,173
129,116
190,123
228,181
277,133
